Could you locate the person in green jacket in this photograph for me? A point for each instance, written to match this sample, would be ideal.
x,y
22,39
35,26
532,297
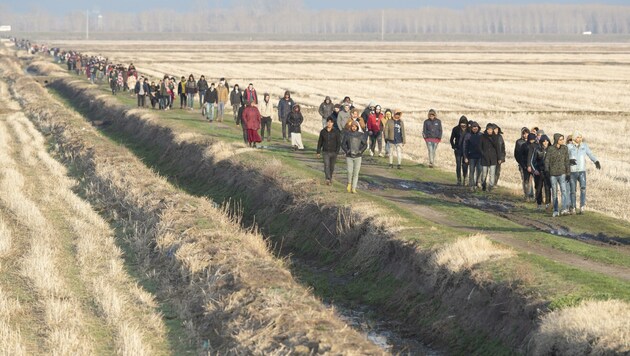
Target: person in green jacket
x,y
557,164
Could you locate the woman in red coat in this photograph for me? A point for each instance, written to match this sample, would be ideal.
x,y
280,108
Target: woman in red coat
x,y
251,120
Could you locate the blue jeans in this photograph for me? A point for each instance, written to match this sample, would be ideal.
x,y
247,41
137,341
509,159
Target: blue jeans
x,y
202,94
461,167
488,174
220,110
561,181
354,166
575,178
191,100
475,172
210,111
431,147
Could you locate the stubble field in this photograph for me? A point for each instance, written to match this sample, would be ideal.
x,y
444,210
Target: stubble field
x,y
556,87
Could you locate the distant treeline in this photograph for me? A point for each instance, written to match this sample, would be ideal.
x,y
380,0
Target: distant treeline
x,y
291,17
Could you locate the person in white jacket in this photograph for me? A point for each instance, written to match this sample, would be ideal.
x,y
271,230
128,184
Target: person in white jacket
x,y
266,111
578,151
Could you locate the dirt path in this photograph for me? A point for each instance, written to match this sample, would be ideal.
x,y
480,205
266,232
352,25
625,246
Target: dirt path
x,y
397,191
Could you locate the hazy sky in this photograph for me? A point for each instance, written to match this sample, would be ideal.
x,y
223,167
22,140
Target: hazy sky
x,y
118,5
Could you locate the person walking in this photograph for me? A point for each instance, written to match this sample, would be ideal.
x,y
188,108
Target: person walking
x,y
251,122
266,111
249,94
395,138
202,87
334,115
489,158
294,121
353,144
473,155
522,164
343,116
325,110
223,95
329,144
355,116
142,90
578,151
375,130
498,135
388,116
285,106
236,100
181,90
457,144
542,181
191,91
210,101
432,134
557,164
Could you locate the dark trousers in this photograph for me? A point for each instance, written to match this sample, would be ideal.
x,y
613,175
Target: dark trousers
x,y
284,128
141,100
235,109
542,182
182,100
265,122
461,167
244,133
329,163
374,138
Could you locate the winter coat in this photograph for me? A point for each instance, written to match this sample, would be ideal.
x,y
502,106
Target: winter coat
x,y
266,109
326,108
531,152
501,147
329,141
334,115
538,159
362,126
250,95
518,153
354,144
432,129
390,133
284,108
489,150
294,120
557,160
457,135
342,119
223,94
251,118
191,87
145,86
211,96
202,85
236,98
374,122
472,146
579,154
181,87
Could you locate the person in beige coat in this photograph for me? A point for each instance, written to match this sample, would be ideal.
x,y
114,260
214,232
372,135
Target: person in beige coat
x,y
223,94
266,111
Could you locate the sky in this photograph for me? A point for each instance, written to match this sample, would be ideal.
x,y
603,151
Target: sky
x,y
62,6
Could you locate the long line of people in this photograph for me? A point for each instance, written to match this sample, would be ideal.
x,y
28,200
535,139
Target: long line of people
x,y
550,171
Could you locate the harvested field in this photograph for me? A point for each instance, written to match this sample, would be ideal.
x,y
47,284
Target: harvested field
x,y
557,87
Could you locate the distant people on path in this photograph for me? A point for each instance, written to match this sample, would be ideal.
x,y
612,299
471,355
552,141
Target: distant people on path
x,y
388,116
457,144
521,160
498,134
294,121
432,134
557,164
542,180
353,144
202,87
578,151
266,111
191,91
395,138
328,146
285,105
210,101
355,116
325,110
249,94
236,100
489,158
375,130
343,116
142,91
473,155
223,95
181,90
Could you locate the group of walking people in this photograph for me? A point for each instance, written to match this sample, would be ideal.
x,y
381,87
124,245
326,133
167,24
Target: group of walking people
x,y
550,171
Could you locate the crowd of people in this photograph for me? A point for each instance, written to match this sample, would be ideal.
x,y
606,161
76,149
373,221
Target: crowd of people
x,y
550,171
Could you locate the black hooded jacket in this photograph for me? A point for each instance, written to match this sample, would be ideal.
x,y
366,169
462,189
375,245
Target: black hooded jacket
x,y
457,136
489,150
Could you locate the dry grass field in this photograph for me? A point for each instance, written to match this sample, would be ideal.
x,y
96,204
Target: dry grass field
x,y
557,87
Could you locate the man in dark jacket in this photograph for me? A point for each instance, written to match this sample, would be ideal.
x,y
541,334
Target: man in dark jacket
x,y
457,144
329,143
353,143
325,110
557,165
210,101
236,100
522,163
472,154
249,94
536,166
489,158
202,87
142,90
334,115
285,105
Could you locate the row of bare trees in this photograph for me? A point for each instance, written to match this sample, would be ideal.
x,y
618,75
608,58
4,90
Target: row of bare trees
x,y
284,17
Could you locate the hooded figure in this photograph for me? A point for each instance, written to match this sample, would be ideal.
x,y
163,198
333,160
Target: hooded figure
x,y
558,167
236,99
325,110
457,144
294,121
285,105
251,122
353,144
432,134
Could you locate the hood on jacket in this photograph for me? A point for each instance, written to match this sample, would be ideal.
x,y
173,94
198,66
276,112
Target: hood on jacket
x,y
544,138
371,104
431,111
556,137
523,130
296,106
463,120
287,93
327,100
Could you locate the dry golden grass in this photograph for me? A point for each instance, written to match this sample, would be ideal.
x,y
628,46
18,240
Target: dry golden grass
x,y
468,252
11,342
593,328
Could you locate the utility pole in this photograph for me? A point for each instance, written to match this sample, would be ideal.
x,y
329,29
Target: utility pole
x,y
87,24
382,25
